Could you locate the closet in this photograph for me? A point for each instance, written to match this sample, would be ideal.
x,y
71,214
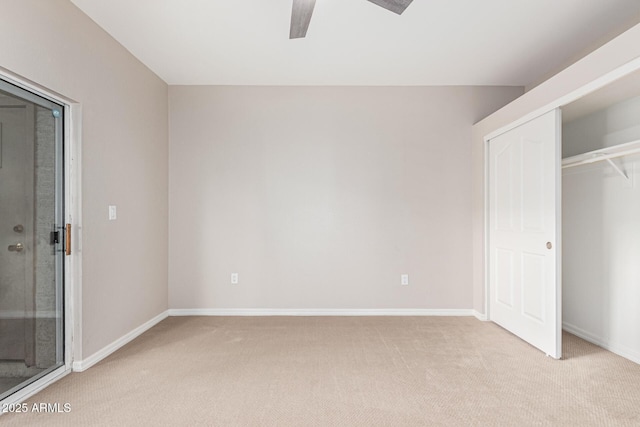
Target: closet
x,y
601,217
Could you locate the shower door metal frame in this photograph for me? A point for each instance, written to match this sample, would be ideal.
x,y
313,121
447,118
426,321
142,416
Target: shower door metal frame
x,y
68,211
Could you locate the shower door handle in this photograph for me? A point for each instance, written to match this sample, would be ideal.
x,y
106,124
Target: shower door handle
x,y
18,247
67,239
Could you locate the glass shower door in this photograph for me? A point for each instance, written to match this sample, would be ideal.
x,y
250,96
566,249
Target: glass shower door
x,y
31,257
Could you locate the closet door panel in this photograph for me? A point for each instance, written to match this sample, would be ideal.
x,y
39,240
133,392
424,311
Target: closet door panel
x,y
533,185
533,295
504,277
524,217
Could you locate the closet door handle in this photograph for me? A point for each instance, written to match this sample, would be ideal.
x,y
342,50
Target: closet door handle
x,y
549,245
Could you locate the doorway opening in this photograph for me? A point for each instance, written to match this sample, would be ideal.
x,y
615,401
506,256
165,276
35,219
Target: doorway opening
x,y
32,241
600,209
596,172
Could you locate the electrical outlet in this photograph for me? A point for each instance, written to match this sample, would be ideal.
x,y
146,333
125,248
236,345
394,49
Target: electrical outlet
x,y
113,212
234,278
404,279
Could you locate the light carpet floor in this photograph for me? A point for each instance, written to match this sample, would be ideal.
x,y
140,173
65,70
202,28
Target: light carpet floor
x,y
343,371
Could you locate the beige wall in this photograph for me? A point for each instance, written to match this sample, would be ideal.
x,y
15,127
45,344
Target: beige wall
x,y
614,54
321,197
124,158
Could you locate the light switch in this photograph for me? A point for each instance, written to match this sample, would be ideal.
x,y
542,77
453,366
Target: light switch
x,y
113,214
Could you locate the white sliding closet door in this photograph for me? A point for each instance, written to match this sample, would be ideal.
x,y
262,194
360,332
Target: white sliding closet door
x,y
524,236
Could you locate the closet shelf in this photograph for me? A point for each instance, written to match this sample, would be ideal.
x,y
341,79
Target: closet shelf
x,y
604,154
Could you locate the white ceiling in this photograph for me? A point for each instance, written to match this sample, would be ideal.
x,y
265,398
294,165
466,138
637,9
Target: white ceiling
x,y
354,42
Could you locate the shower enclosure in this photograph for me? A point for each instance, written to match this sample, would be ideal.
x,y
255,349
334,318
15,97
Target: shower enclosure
x,y
31,238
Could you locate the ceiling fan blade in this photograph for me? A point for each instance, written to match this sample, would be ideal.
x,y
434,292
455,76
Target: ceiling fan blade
x,y
300,17
395,6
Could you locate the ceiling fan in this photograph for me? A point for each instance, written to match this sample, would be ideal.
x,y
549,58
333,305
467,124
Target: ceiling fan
x,y
303,9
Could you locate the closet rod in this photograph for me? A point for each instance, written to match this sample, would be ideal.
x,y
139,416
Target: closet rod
x,y
602,154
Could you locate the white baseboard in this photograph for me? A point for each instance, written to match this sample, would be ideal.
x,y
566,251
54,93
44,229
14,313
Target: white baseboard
x,y
84,364
316,312
480,316
617,348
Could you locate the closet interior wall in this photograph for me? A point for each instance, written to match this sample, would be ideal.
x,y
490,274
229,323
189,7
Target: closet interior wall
x,y
601,231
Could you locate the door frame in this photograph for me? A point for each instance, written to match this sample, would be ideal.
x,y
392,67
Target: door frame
x,y
72,143
600,82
